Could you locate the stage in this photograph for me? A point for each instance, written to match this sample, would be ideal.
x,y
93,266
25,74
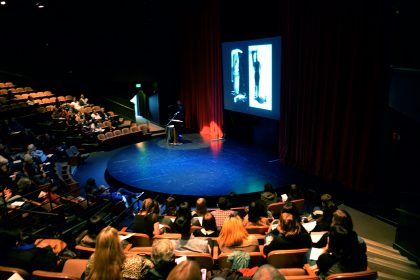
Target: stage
x,y
199,167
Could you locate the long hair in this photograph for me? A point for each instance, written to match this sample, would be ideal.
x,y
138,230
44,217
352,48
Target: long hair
x,y
108,257
342,217
233,232
288,225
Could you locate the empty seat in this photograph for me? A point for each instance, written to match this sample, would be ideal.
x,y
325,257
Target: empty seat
x,y
117,133
125,130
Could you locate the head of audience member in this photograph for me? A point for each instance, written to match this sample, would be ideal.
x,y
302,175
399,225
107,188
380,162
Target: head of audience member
x,y
209,222
170,206
147,206
290,207
186,270
328,205
233,232
163,255
267,272
256,210
109,256
268,187
4,163
223,203
182,225
95,224
184,209
294,192
288,225
201,206
233,200
342,217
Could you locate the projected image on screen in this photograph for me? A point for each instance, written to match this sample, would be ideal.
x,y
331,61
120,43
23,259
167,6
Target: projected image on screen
x,y
251,76
260,69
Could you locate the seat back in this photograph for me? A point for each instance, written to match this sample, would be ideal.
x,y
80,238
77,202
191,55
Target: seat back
x,y
6,272
256,259
360,275
75,267
256,229
275,208
137,239
205,260
287,258
299,203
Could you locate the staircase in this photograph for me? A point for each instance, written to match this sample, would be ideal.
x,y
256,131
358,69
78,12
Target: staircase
x,y
389,263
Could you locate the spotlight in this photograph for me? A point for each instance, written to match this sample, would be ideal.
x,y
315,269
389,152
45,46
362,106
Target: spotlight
x,y
40,5
2,3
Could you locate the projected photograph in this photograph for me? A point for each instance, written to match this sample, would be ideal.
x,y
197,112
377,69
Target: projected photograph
x,y
251,76
260,74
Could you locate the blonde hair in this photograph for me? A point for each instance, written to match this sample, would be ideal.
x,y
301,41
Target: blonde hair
x,y
233,232
108,257
288,225
162,251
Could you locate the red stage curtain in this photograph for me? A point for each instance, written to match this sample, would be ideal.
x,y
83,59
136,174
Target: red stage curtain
x,y
201,84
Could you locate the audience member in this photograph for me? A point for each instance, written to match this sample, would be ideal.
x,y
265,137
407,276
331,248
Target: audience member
x,y
88,236
110,262
163,258
209,227
257,215
83,101
223,212
287,235
267,272
147,220
188,242
15,253
294,193
234,236
328,207
186,270
170,207
268,196
343,253
200,207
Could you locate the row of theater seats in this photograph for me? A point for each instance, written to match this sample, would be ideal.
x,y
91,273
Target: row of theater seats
x,y
125,135
6,85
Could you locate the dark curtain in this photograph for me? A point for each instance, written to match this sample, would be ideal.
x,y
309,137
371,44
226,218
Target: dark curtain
x,y
332,86
201,84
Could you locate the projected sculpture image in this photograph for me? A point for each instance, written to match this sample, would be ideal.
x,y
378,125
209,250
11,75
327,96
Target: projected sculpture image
x,y
236,79
260,68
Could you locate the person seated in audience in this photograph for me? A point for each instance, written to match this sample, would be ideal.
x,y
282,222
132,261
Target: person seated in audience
x,y
234,237
110,262
257,215
267,272
269,196
119,195
188,242
170,207
209,227
186,270
88,236
7,177
83,101
30,101
200,208
294,193
340,217
104,115
184,210
163,258
223,212
344,254
15,253
323,222
147,220
287,235
290,207
75,104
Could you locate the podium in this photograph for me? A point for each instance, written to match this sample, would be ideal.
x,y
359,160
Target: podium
x,y
171,133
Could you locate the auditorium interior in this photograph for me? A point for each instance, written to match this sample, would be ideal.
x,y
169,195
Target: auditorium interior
x,y
88,92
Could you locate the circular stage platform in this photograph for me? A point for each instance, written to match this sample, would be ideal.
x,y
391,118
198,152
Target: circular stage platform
x,y
196,168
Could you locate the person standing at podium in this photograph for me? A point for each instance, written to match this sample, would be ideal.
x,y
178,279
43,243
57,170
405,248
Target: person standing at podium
x,y
179,119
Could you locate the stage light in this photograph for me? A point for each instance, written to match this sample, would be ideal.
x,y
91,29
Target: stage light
x,y
40,5
3,3
138,85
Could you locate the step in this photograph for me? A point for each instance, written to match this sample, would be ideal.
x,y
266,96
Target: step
x,y
392,268
378,253
374,244
386,276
